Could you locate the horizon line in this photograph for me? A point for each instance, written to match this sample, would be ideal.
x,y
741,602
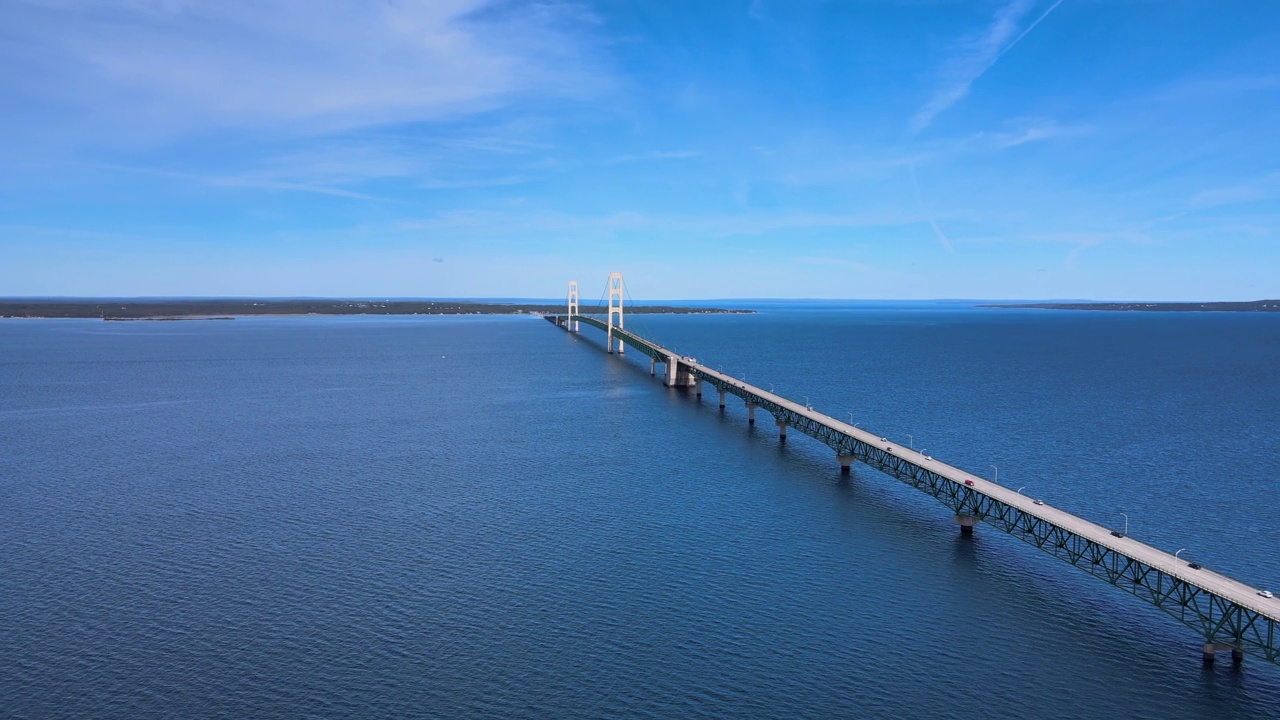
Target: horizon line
x,y
554,301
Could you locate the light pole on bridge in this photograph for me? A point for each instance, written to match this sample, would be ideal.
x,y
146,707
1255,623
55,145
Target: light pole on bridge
x,y
1126,524
911,442
997,476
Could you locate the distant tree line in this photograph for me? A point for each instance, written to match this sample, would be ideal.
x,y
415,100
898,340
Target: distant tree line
x,y
158,309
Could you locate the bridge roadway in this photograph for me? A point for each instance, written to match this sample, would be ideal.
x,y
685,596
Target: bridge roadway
x,y
1228,614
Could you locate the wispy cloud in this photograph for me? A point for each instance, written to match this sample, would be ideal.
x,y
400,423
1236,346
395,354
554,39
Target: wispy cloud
x,y
460,223
1024,131
1260,189
1073,256
855,266
655,155
937,231
248,181
504,181
1214,89
349,168
176,66
976,57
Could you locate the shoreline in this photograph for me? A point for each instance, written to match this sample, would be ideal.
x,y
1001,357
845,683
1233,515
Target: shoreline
x,y
169,310
1251,306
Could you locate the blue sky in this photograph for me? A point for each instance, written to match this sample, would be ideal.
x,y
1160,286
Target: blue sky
x,y
759,148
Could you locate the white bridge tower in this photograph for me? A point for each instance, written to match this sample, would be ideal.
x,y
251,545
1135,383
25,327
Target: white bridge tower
x,y
615,291
570,323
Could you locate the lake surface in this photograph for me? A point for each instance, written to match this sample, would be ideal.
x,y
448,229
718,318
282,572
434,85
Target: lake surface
x,y
465,517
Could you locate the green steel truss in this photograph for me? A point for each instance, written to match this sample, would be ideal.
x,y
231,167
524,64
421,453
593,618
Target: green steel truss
x,y
1214,618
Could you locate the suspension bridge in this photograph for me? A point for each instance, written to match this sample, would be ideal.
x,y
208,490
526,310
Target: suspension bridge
x,y
1228,615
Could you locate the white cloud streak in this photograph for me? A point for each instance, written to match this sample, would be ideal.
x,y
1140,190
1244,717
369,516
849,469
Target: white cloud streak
x,y
937,231
654,155
177,66
578,228
975,58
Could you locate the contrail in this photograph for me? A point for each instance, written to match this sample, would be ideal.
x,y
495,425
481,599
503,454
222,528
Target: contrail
x,y
966,70
1030,27
937,231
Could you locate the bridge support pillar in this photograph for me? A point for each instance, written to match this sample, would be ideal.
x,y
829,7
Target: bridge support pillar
x,y
569,323
1211,649
845,462
653,366
697,388
782,429
966,523
751,415
681,376
721,401
615,308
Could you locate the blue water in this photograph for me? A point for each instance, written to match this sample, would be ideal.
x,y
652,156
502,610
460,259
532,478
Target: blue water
x,y
488,517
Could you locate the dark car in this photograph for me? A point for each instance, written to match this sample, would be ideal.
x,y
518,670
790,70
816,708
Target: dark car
x,y
1117,533
1194,566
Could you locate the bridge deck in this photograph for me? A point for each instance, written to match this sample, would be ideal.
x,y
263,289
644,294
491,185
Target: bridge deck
x,y
1237,592
1225,611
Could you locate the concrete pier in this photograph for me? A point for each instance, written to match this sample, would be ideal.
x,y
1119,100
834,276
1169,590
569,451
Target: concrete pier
x,y
782,429
1212,649
966,523
751,414
845,462
722,393
653,366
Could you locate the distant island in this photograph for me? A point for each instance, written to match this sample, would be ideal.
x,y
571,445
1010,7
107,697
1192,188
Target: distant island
x,y
1250,306
226,309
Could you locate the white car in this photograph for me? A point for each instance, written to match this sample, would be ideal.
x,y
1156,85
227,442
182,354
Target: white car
x,y
1037,502
1266,593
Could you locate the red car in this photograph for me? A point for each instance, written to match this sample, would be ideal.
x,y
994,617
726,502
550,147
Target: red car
x,y
968,482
